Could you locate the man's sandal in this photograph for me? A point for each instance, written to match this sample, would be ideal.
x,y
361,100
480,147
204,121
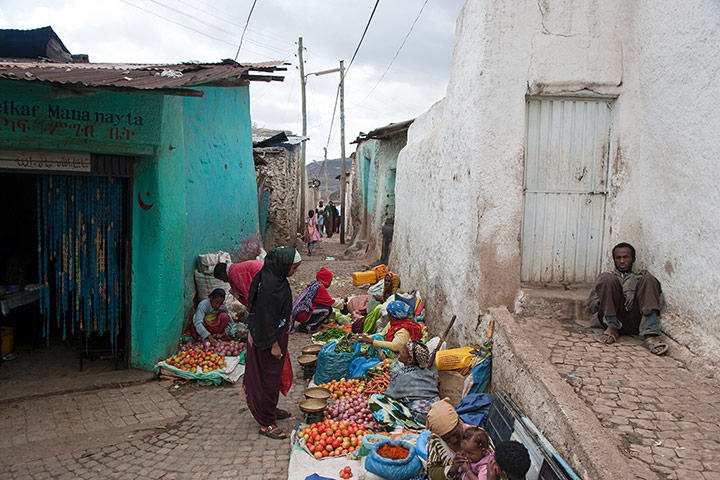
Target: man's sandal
x,y
609,336
283,414
655,345
274,432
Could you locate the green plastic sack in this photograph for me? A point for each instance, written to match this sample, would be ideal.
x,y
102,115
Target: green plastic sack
x,y
242,357
216,377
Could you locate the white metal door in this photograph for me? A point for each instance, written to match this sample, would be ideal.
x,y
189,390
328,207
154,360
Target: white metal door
x,y
567,151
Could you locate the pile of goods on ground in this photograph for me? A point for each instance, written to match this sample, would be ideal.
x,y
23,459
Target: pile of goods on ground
x,y
222,347
191,360
378,381
393,452
330,335
342,389
346,473
330,438
354,410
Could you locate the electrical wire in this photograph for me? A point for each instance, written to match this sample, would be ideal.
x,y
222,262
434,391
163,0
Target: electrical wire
x,y
344,74
245,29
215,27
225,19
189,28
396,55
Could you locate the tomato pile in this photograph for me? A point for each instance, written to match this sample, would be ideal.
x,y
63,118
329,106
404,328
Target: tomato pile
x,y
342,389
330,438
190,360
346,473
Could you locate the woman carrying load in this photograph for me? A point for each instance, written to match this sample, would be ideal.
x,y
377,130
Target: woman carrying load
x,y
270,306
314,304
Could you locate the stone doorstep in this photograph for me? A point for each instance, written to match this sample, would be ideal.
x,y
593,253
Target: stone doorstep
x,y
522,368
556,302
79,443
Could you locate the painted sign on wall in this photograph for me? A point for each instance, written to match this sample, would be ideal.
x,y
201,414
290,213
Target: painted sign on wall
x,y
109,117
45,160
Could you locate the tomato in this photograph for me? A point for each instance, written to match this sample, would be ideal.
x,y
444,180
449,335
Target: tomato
x,y
318,455
311,447
329,448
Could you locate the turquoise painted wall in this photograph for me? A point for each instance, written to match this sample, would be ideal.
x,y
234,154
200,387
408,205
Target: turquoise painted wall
x,y
158,244
221,193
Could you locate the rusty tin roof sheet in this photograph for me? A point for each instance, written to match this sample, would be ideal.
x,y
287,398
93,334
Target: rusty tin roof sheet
x,y
170,77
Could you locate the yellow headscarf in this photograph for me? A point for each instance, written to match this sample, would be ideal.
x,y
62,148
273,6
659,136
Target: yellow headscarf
x,y
395,278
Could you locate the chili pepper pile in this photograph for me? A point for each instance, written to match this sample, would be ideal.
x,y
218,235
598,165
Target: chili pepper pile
x,y
393,452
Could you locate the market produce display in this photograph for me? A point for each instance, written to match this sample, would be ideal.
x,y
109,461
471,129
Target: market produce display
x,y
342,389
329,335
346,473
330,438
345,344
393,452
354,410
378,382
222,347
191,360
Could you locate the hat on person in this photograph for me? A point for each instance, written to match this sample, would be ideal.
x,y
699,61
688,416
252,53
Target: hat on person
x,y
442,417
324,276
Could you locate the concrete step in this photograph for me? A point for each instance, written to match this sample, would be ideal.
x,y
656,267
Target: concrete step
x,y
569,304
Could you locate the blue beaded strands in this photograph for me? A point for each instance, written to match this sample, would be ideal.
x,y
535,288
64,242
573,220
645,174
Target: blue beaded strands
x,y
80,235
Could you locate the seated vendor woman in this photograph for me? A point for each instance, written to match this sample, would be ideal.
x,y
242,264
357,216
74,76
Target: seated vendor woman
x,y
211,317
399,331
314,305
415,385
362,305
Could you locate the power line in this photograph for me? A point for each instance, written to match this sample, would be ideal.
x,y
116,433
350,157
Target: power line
x,y
244,29
225,19
188,27
396,54
357,49
215,27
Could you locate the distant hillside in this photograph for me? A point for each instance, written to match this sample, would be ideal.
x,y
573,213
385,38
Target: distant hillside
x,y
315,171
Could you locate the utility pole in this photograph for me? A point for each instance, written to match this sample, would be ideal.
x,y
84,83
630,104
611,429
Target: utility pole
x,y
342,152
325,168
303,180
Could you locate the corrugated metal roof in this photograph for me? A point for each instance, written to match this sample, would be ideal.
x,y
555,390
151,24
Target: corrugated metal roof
x,y
386,131
261,134
143,76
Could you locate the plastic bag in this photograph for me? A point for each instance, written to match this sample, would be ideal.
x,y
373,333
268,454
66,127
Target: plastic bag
x,y
331,365
403,469
421,445
454,359
359,367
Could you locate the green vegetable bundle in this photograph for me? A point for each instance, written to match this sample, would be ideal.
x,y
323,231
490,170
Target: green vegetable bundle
x,y
332,333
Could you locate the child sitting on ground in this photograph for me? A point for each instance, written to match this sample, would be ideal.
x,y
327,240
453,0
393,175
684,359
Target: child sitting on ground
x,y
476,450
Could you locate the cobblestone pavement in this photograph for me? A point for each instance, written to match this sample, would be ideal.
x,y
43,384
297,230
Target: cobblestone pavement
x,y
217,438
667,415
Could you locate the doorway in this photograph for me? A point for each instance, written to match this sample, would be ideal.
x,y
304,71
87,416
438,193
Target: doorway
x,y
567,152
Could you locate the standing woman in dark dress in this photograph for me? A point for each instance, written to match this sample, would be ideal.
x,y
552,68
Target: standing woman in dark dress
x,y
270,305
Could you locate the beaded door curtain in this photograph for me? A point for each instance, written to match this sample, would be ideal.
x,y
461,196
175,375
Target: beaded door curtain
x,y
80,253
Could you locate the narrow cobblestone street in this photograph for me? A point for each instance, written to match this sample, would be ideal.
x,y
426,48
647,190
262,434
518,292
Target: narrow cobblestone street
x,y
152,431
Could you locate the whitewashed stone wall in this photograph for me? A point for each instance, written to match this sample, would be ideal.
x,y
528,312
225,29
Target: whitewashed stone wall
x,y
459,188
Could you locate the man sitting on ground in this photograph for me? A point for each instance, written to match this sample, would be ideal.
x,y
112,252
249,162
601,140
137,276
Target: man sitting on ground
x,y
628,303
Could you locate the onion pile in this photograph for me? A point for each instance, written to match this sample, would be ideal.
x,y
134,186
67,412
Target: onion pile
x,y
222,347
354,410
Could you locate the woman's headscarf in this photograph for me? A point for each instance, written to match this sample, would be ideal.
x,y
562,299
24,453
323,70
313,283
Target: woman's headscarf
x,y
270,298
401,314
419,353
442,417
324,276
399,310
394,278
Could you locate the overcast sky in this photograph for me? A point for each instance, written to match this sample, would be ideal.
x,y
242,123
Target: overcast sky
x,y
127,31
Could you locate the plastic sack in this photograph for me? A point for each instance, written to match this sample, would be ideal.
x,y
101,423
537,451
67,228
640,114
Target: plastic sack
x,y
454,359
331,365
421,445
474,409
359,367
403,469
216,377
